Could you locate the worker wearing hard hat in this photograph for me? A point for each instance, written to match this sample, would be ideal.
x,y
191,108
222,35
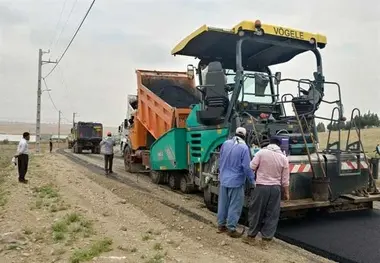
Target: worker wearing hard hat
x,y
108,143
234,171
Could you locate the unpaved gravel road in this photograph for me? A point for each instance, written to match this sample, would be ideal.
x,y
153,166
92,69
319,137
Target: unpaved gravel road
x,y
141,227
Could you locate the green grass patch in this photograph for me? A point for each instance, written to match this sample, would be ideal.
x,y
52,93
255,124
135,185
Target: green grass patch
x,y
92,251
158,258
46,191
3,198
71,226
158,246
146,237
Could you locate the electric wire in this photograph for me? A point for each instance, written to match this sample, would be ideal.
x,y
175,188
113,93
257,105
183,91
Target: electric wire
x,y
56,26
72,39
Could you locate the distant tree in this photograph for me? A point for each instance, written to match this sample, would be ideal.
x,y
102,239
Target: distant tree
x,y
321,127
367,120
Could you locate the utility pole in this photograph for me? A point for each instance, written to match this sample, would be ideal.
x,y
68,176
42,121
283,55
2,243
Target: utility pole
x,y
74,113
59,127
39,92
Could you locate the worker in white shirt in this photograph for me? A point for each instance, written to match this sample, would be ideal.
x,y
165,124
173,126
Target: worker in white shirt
x,y
23,157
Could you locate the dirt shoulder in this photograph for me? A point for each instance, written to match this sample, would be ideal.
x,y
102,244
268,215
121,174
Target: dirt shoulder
x,y
69,214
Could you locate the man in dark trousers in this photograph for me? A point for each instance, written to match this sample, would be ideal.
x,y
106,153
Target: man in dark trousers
x,y
51,144
272,178
108,144
23,157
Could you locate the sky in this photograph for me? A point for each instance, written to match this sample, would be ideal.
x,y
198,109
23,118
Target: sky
x,y
118,37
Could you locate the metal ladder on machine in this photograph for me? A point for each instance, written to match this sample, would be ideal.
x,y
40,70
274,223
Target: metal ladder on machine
x,y
358,148
313,141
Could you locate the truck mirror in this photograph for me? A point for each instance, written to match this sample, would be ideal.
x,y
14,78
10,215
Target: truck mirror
x,y
190,71
71,130
119,128
261,83
277,78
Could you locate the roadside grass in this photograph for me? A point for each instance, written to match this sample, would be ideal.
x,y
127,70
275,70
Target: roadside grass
x,y
149,234
70,227
6,168
158,246
370,138
94,250
157,258
49,198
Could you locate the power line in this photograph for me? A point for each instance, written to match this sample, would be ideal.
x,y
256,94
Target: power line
x,y
52,101
65,85
59,20
72,39
48,91
67,21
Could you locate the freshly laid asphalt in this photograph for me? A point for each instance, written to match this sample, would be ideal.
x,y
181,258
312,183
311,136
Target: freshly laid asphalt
x,y
350,237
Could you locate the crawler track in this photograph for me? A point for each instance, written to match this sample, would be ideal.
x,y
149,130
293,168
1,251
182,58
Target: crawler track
x,y
348,237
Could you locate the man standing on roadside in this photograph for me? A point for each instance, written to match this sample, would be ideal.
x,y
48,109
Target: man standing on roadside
x,y
272,173
51,144
23,157
108,143
233,172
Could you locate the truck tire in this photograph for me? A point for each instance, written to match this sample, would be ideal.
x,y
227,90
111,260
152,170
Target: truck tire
x,y
184,185
174,180
157,177
208,198
129,165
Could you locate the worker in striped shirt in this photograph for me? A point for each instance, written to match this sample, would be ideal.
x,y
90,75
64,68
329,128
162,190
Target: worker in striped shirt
x,y
271,167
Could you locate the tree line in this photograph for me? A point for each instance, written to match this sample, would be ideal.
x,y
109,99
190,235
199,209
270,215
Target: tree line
x,y
367,120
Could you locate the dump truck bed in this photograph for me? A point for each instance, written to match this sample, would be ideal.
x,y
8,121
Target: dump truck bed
x,y
164,100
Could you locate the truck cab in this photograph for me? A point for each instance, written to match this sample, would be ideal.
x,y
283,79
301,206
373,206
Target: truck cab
x,y
86,136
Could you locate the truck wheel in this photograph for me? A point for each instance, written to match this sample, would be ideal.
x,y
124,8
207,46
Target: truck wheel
x,y
174,181
157,177
208,198
128,162
184,186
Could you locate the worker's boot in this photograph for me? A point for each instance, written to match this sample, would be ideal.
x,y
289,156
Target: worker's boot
x,y
221,229
265,243
235,234
250,240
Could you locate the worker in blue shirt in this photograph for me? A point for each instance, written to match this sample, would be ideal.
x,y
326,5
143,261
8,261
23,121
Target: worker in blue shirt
x,y
234,170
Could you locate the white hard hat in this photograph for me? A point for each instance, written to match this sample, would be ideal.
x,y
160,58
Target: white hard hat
x,y
241,131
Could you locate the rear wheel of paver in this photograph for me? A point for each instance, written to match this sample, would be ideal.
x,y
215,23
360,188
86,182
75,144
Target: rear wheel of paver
x,y
174,181
184,186
157,177
209,199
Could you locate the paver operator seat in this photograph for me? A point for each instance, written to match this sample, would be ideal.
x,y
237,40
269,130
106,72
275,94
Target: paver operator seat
x,y
215,96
